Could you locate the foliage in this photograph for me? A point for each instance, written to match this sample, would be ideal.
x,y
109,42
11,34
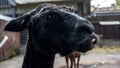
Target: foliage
x,y
118,2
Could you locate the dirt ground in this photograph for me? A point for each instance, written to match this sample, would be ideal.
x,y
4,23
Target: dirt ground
x,y
87,61
93,61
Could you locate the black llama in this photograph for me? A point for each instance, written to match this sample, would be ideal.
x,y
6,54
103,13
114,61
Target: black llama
x,y
52,29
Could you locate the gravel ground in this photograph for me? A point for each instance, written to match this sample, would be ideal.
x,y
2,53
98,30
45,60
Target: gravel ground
x,y
87,61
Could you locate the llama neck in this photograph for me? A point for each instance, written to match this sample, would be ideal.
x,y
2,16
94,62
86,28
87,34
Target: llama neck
x,y
38,61
45,61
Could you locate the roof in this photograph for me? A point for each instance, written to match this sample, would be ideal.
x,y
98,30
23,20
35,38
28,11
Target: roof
x,y
38,1
109,22
7,3
6,18
107,13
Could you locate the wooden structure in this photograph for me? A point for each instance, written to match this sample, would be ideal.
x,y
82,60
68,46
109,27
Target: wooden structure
x,y
109,31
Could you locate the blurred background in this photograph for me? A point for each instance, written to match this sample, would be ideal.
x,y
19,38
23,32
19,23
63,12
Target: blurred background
x,y
103,14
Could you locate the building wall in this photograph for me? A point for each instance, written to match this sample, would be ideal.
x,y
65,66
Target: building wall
x,y
11,46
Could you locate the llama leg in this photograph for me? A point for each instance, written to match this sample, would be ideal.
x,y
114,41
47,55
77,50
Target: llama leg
x,y
78,61
67,61
71,59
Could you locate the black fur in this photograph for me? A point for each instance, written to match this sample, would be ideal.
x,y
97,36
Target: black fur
x,y
52,29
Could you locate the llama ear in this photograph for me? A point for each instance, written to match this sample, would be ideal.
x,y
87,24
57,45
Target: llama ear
x,y
17,24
